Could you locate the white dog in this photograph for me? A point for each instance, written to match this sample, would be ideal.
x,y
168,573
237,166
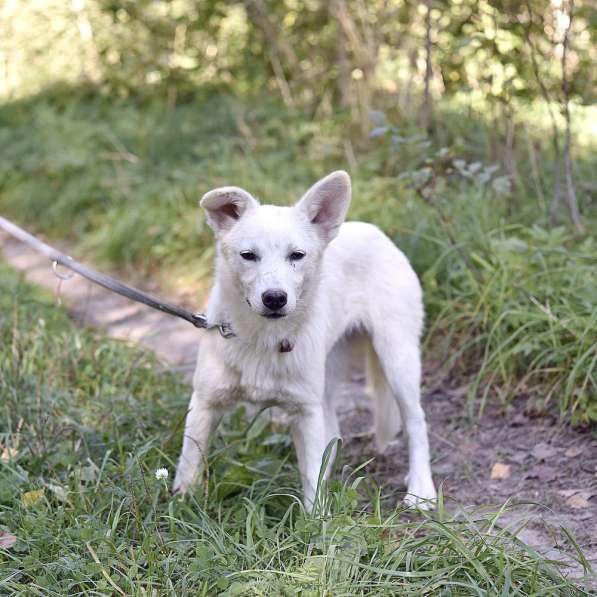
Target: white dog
x,y
297,287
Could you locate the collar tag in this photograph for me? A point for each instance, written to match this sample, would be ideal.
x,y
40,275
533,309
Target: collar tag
x,y
286,346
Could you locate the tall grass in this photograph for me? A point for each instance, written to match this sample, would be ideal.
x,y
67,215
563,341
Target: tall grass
x,y
510,298
85,422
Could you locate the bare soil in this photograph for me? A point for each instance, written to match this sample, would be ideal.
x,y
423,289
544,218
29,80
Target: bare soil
x,y
544,465
548,470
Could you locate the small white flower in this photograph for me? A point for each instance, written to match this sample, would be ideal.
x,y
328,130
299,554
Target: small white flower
x,y
161,473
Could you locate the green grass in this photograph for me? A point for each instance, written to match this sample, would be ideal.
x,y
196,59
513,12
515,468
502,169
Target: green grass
x,y
85,422
510,298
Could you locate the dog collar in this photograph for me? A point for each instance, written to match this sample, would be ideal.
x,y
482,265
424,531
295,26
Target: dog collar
x,y
226,332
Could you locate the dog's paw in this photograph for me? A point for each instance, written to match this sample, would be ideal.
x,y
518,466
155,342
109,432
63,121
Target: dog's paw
x,y
183,482
421,494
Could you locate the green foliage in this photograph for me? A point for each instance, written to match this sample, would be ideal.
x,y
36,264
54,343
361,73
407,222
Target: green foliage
x,y
520,305
87,421
491,49
129,177
512,295
141,107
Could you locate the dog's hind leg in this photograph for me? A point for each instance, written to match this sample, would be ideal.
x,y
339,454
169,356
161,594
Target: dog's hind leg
x,y
386,413
400,360
336,371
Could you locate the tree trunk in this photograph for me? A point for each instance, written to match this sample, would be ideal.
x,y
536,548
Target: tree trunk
x,y
364,53
570,190
555,132
344,83
278,49
90,61
427,110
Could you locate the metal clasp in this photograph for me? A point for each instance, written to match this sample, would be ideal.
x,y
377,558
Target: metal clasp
x,y
59,275
200,321
225,330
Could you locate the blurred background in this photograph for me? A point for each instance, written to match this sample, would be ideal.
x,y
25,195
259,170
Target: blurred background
x,y
469,129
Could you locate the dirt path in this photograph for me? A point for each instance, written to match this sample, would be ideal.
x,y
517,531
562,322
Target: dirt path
x,y
549,470
173,340
529,460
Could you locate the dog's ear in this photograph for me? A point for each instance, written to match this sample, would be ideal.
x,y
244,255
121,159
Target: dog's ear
x,y
226,205
326,203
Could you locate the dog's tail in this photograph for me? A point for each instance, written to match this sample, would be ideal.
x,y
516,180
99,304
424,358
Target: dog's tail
x,y
387,415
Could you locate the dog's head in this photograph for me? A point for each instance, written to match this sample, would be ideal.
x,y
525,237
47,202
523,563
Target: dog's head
x,y
273,253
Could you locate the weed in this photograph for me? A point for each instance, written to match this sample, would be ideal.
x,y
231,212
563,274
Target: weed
x,y
509,298
86,423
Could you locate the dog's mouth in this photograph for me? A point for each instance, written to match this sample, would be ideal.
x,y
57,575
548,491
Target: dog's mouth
x,y
274,315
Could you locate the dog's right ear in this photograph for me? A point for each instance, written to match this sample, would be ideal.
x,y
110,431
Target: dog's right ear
x,y
225,206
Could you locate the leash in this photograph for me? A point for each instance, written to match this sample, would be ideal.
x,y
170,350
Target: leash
x,y
199,320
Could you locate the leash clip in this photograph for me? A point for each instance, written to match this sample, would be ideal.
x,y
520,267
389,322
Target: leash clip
x,y
58,274
199,320
225,330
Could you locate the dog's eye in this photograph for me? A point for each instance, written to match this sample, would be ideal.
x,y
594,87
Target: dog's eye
x,y
296,255
248,255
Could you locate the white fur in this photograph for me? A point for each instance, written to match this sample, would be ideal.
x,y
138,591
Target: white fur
x,y
352,283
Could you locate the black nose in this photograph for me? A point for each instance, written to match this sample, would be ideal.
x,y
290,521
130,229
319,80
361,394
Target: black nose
x,y
274,299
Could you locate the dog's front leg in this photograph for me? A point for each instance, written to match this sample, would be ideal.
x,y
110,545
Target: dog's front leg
x,y
198,426
309,435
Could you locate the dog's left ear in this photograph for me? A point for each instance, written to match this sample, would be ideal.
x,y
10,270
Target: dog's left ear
x,y
326,203
225,206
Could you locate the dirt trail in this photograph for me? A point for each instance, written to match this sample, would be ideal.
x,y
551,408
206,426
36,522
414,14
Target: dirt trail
x,y
538,460
173,340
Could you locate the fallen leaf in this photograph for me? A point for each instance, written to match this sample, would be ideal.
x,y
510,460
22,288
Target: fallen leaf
x,y
577,498
88,473
30,498
460,392
568,492
500,471
573,452
519,456
469,446
519,420
8,454
580,499
543,451
60,492
7,540
544,473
